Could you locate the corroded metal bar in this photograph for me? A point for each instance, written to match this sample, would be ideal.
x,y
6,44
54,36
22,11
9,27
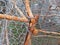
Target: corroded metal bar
x,y
32,29
28,8
15,18
48,32
47,36
35,31
28,36
27,39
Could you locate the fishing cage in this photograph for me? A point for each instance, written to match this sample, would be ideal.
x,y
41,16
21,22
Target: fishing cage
x,y
13,30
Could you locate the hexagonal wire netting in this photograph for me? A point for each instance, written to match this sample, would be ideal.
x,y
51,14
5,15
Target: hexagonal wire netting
x,y
14,32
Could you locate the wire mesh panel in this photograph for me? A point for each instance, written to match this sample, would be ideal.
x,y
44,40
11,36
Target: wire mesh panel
x,y
17,33
40,40
11,32
14,34
48,21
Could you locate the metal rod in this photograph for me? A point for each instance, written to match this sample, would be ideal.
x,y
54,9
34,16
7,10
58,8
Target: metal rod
x,y
28,8
28,36
15,18
48,32
47,36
